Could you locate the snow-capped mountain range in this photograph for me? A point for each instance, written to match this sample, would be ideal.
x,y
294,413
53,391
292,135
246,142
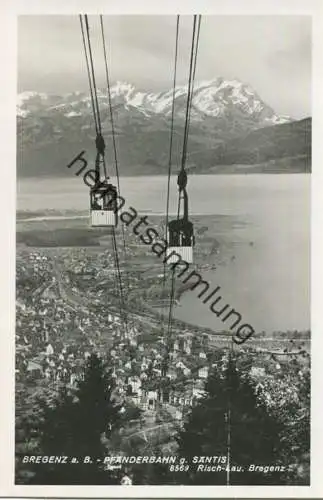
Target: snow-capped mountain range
x,y
230,125
216,98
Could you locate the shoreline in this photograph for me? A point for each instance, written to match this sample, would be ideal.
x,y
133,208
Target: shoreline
x,y
21,178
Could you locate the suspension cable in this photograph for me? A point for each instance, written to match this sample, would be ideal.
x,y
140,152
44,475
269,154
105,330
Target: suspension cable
x,y
192,69
110,101
89,75
170,154
115,157
192,89
92,72
188,96
98,128
171,305
190,93
172,122
122,302
112,125
94,97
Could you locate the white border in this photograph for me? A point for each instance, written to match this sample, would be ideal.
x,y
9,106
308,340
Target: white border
x,y
10,9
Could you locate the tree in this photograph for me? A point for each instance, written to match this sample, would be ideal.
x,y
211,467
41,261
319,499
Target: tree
x,y
230,408
76,427
297,433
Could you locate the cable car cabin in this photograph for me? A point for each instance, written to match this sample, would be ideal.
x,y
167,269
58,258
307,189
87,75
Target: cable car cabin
x,y
103,199
180,239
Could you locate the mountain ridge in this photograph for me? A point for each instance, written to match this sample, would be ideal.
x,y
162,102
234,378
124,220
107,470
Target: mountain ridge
x,y
230,125
210,98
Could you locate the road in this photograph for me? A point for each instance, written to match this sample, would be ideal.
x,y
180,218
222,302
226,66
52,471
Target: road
x,y
79,301
76,300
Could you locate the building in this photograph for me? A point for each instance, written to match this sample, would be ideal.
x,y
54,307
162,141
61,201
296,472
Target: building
x,y
257,371
49,350
203,372
135,384
152,398
35,368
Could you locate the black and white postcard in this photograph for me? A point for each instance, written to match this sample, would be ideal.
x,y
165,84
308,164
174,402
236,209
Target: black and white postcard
x,y
162,340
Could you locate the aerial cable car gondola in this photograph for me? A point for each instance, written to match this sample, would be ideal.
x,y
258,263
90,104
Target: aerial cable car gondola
x,y
103,195
180,232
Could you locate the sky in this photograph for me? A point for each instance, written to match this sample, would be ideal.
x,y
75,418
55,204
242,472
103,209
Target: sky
x,y
270,53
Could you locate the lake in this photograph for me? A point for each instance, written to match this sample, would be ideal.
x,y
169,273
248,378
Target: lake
x,y
267,275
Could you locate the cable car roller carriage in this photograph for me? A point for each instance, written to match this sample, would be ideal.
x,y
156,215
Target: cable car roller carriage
x,y
180,232
103,195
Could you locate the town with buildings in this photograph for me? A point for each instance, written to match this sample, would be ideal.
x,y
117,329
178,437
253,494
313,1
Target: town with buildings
x,y
63,315
68,307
